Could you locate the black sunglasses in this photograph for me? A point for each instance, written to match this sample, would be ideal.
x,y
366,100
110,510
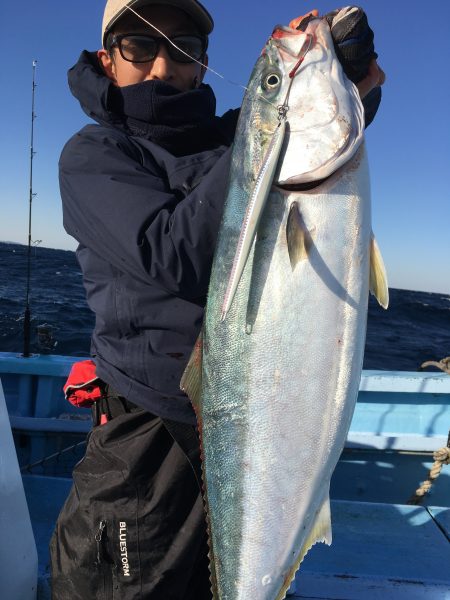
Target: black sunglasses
x,y
142,48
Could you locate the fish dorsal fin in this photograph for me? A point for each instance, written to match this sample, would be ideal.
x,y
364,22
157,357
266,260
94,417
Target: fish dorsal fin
x,y
191,381
378,279
299,239
320,532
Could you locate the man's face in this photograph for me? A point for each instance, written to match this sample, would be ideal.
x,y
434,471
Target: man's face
x,y
170,21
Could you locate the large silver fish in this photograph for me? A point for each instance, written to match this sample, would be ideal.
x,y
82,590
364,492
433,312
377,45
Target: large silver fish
x,y
275,378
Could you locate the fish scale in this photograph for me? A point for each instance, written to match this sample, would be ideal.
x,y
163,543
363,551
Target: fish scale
x,y
280,375
274,476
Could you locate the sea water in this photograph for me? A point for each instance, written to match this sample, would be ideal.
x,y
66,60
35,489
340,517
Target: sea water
x,y
415,328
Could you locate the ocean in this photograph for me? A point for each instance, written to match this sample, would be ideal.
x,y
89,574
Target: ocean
x,y
414,329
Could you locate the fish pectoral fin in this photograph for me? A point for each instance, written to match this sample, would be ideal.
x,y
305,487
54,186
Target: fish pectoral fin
x,y
191,381
378,278
299,239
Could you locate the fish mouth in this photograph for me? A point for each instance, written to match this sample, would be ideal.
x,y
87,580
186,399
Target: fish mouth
x,y
325,122
291,41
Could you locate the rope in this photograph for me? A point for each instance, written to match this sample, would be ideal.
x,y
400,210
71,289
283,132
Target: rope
x,y
441,457
443,365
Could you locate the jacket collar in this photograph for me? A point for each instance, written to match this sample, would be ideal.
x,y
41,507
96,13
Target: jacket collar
x,y
182,122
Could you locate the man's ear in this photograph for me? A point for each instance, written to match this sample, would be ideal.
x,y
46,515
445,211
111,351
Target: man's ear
x,y
203,69
107,64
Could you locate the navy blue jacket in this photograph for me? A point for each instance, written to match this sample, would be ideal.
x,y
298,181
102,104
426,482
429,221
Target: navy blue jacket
x,y
146,222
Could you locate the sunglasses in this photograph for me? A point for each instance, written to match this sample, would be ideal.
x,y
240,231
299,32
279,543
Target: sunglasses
x,y
141,48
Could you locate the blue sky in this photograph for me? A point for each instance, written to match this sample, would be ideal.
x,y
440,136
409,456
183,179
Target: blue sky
x,y
409,142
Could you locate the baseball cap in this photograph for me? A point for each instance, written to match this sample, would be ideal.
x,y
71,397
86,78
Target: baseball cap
x,y
114,9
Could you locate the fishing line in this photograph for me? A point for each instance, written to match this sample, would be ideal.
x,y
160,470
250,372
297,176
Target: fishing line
x,y
230,81
283,109
185,53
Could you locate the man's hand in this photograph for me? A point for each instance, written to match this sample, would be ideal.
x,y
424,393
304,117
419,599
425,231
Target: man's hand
x,y
375,78
353,41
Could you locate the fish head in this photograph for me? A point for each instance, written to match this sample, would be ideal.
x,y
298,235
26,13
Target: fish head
x,y
259,114
300,73
300,121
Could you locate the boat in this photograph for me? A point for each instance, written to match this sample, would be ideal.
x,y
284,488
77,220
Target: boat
x,y
382,547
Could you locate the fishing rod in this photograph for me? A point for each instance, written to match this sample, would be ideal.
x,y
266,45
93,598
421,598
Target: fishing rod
x,y
27,315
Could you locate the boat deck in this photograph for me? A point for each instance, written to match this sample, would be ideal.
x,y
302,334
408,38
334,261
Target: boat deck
x,y
379,550
381,547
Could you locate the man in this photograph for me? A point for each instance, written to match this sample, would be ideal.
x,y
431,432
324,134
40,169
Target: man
x,y
143,193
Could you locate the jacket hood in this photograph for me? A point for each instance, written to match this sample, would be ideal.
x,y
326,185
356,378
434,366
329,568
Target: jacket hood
x,y
92,88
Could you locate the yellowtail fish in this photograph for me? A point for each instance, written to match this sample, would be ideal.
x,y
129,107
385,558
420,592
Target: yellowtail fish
x,y
275,377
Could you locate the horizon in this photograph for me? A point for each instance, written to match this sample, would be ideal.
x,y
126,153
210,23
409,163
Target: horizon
x,y
39,246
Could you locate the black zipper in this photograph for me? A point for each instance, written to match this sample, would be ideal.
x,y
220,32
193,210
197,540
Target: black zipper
x,y
99,538
103,561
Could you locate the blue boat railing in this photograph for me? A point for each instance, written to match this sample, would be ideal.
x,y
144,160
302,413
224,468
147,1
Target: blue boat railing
x,y
43,422
381,549
387,402
400,419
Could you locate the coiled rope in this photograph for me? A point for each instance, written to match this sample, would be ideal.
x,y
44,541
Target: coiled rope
x,y
442,456
443,365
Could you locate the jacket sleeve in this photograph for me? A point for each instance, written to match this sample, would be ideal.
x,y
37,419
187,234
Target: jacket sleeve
x,y
124,212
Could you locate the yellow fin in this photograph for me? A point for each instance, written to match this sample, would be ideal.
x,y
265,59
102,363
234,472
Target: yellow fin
x,y
191,381
320,532
378,279
321,529
299,239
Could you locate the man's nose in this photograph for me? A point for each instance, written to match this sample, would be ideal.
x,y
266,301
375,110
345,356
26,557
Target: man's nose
x,y
161,66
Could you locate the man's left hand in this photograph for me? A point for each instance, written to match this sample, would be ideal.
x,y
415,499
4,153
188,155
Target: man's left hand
x,y
353,41
375,78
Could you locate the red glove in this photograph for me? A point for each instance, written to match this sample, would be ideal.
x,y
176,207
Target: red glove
x,y
82,387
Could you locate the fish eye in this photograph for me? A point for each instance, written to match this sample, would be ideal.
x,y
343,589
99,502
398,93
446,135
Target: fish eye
x,y
271,81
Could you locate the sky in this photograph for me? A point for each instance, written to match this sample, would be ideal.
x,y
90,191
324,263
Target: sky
x,y
408,143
